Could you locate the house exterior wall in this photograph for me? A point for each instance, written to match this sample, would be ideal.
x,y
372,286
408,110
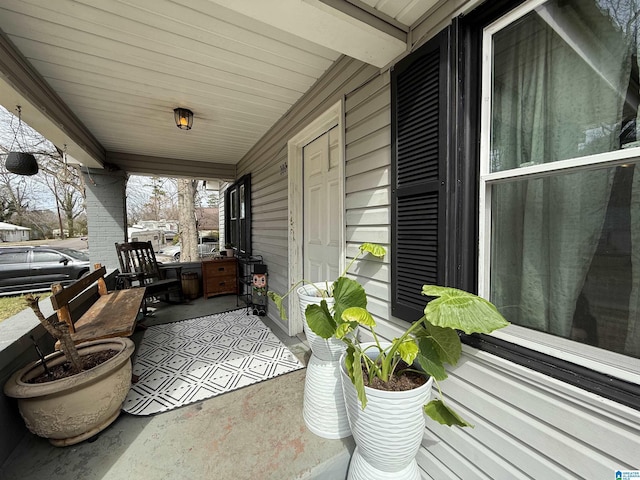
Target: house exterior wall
x,y
267,163
528,425
17,234
106,215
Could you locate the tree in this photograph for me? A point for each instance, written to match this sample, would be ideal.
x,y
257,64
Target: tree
x,y
155,203
22,200
186,216
67,186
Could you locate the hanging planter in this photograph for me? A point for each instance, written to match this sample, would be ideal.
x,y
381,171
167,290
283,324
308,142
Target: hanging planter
x,y
21,163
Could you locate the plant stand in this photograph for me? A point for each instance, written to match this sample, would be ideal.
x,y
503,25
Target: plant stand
x,y
323,410
388,432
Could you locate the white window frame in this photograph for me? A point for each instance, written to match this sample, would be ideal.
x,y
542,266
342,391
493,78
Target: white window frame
x,y
610,363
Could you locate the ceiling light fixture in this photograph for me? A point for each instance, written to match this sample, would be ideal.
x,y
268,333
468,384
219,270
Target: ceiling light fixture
x,y
184,118
20,163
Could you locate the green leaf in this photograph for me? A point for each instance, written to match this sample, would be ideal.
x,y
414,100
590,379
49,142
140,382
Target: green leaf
x,y
277,299
446,343
348,361
347,293
408,350
374,249
439,412
344,329
358,315
461,310
357,378
320,320
429,360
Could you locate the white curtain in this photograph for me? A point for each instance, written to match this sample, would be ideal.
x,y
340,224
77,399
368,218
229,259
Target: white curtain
x,y
552,102
632,345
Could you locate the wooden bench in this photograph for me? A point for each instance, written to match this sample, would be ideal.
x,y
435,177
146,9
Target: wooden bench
x,y
92,312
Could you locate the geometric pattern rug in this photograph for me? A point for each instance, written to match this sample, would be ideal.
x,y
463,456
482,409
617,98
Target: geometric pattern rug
x,y
192,360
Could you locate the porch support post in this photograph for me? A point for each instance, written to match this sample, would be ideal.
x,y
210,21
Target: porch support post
x,y
106,214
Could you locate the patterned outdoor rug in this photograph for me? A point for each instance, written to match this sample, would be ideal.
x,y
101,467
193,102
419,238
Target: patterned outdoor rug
x,y
192,360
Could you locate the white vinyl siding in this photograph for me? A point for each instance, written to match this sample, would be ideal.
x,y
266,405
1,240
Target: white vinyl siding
x,y
528,425
267,163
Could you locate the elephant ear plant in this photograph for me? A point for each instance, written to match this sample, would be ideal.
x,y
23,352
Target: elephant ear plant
x,y
345,292
432,341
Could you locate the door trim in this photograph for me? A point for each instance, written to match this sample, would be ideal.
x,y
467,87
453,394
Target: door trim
x,y
334,116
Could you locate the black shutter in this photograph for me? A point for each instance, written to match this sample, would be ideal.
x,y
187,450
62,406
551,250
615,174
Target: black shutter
x,y
419,140
238,230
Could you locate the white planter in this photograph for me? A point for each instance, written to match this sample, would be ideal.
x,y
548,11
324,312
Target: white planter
x,y
325,349
73,409
387,433
323,408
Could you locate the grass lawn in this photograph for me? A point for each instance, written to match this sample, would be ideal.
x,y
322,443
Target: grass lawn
x,y
9,306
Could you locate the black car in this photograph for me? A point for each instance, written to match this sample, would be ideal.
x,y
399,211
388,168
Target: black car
x,y
28,269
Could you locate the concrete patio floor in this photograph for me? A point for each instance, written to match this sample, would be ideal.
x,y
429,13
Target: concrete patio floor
x,y
255,433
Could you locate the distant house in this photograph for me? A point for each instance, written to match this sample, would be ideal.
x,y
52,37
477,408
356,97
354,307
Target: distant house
x,y
208,218
14,233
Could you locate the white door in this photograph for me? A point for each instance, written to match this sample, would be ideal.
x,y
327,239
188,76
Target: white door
x,y
321,207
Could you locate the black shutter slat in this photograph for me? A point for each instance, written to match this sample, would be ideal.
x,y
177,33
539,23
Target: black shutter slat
x,y
417,201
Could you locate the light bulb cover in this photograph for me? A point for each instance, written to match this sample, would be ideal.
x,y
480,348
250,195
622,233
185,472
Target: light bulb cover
x,y
183,118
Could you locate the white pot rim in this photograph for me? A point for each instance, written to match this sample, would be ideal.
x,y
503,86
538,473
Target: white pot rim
x,y
307,290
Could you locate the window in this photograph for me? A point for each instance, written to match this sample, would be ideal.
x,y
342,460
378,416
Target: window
x,y
238,215
8,257
40,256
559,173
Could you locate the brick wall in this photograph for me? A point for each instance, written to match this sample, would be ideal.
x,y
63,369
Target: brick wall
x,y
106,214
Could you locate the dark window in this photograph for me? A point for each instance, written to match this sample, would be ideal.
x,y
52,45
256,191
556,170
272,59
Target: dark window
x,y
238,215
46,257
13,257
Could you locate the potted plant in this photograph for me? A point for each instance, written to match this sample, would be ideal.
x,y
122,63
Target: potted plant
x,y
63,396
387,419
229,249
324,411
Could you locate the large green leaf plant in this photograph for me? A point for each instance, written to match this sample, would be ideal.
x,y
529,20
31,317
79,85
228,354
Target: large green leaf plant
x,y
431,342
345,292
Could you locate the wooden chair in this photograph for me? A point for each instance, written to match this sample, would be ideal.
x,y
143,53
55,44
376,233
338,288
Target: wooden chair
x,y
138,267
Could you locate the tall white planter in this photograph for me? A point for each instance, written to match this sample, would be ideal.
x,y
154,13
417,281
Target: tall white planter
x,y
323,409
387,433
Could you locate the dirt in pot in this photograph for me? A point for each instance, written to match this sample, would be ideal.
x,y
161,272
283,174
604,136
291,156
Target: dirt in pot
x,y
64,369
399,381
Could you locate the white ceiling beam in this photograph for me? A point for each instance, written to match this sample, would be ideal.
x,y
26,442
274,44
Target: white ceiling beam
x,y
350,31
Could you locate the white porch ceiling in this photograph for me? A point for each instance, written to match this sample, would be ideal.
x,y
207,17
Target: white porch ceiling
x,y
103,76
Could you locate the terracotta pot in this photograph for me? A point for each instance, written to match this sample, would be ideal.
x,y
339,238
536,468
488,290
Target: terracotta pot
x,y
73,409
388,432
